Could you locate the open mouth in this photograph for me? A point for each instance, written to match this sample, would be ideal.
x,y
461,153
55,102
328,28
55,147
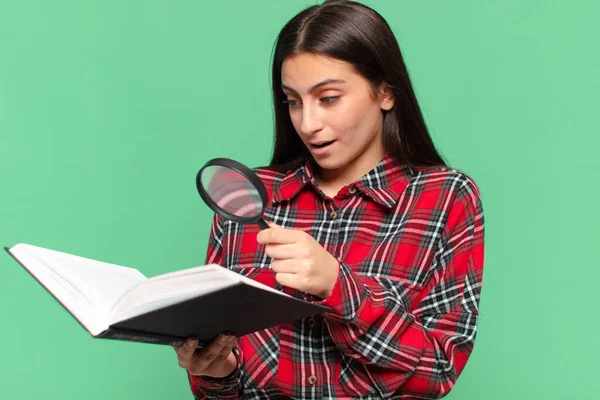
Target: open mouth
x,y
321,145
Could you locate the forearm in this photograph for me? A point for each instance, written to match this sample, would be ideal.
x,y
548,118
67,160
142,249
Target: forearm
x,y
371,322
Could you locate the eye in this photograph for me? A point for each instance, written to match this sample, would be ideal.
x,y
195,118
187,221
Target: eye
x,y
329,99
292,103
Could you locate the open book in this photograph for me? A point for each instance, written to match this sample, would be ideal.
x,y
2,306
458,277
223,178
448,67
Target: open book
x,y
115,302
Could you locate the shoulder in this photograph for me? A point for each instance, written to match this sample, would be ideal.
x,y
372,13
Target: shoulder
x,y
446,187
448,179
451,191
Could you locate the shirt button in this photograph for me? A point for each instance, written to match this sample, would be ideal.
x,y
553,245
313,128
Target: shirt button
x,y
333,214
311,322
352,190
312,380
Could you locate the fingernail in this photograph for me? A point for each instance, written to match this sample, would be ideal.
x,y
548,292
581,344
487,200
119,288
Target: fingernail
x,y
190,343
223,339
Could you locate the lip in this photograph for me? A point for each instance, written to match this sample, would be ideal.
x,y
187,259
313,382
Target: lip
x,y
321,151
320,141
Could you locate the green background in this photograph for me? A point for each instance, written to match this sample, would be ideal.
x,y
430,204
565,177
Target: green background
x,y
109,108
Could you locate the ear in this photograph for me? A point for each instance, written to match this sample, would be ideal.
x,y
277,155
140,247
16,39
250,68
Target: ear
x,y
386,97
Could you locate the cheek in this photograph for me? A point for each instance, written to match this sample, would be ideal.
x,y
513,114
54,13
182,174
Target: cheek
x,y
356,121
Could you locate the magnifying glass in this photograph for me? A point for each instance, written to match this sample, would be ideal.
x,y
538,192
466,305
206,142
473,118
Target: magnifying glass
x,y
233,191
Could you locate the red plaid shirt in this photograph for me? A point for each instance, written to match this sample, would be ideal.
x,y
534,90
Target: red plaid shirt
x,y
404,310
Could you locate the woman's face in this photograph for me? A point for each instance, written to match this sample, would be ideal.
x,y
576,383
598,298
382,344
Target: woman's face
x,y
335,113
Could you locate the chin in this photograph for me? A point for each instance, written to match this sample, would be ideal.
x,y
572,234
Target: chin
x,y
331,162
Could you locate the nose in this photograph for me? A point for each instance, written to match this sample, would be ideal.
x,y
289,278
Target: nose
x,y
311,121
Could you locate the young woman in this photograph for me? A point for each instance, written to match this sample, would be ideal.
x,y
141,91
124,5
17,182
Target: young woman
x,y
366,219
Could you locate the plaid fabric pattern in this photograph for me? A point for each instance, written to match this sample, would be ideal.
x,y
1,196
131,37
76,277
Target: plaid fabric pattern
x,y
404,310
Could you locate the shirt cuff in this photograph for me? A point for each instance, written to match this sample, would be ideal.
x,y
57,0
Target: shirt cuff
x,y
345,297
225,383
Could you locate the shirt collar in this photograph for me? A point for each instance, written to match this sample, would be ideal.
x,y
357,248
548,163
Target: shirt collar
x,y
383,184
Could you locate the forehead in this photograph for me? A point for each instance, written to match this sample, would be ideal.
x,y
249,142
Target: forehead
x,y
306,69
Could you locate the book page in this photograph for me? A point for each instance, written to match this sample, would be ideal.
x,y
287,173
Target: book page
x,y
89,287
171,288
174,287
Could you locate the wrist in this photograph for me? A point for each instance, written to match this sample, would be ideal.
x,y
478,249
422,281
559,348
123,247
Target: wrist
x,y
326,292
228,376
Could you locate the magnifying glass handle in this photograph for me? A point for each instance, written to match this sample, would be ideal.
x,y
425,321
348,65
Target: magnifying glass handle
x,y
263,224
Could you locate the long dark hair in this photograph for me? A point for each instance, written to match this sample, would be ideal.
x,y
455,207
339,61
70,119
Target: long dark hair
x,y
357,34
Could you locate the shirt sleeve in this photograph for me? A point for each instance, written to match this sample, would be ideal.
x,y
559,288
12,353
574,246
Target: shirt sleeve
x,y
417,350
229,387
205,387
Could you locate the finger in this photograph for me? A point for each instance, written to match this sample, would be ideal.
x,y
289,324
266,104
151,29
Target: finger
x,y
290,280
207,355
187,347
281,251
278,235
286,266
225,352
185,352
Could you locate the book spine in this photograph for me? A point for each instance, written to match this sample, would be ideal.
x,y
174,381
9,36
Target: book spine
x,y
141,337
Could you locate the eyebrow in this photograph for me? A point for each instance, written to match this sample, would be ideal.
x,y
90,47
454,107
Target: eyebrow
x,y
315,87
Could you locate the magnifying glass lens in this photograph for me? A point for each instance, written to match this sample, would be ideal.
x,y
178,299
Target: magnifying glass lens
x,y
232,192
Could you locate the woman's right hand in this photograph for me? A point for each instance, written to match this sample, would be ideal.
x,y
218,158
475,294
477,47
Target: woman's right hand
x,y
215,360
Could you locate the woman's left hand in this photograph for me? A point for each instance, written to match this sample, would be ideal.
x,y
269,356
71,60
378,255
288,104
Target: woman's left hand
x,y
299,261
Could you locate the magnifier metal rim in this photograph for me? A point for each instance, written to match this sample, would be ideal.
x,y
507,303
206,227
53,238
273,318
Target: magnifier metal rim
x,y
244,171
